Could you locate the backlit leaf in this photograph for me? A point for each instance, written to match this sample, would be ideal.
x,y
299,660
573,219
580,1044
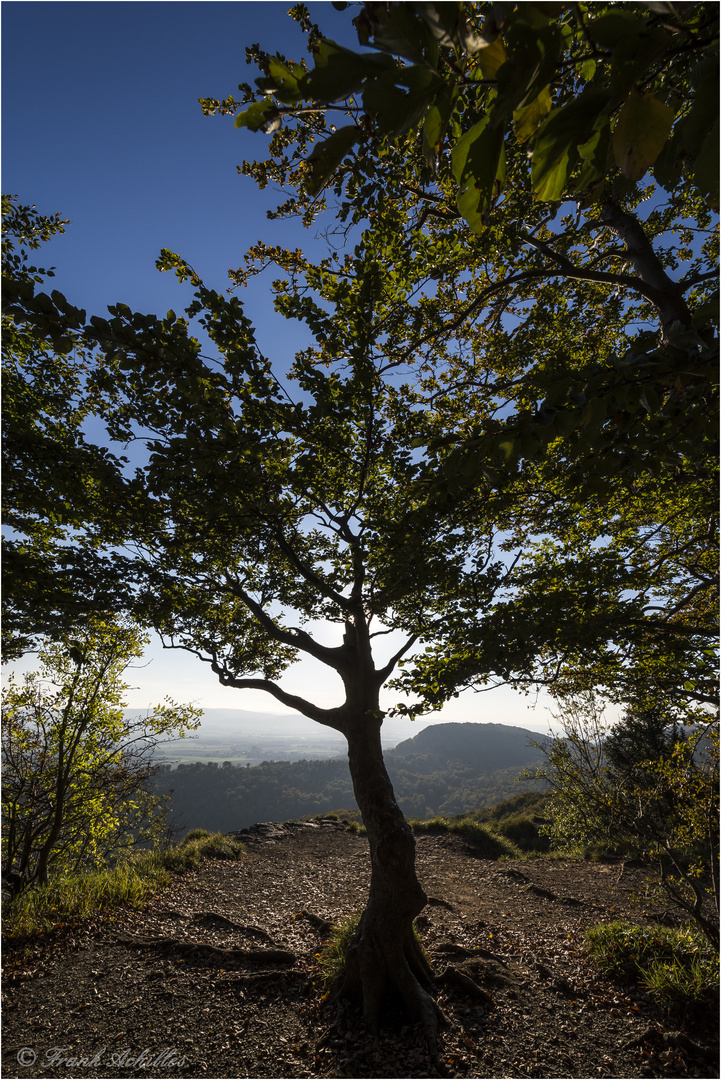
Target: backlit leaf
x,y
641,131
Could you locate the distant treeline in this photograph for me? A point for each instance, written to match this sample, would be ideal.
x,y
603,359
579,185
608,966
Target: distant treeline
x,y
227,797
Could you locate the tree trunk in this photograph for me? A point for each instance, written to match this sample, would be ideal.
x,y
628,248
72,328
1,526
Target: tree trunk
x,y
383,956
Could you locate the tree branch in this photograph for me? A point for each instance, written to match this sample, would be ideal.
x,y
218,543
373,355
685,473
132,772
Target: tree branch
x,y
309,574
295,638
329,717
665,294
383,673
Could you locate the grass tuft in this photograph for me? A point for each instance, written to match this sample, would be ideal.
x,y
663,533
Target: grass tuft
x,y
675,965
331,958
485,839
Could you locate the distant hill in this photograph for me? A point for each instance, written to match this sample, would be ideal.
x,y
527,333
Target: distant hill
x,y
445,769
484,748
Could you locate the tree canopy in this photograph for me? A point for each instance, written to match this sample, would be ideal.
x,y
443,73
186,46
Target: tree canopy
x,y
53,474
552,164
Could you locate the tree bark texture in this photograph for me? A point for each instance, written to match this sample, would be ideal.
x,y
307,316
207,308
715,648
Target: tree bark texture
x,y
384,956
666,293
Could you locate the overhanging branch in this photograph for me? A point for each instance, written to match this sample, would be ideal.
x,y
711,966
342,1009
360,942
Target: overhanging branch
x,y
295,638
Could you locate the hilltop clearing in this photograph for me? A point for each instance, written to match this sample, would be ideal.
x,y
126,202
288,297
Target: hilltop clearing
x,y
219,976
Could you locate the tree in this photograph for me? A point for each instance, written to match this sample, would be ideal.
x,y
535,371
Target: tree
x,y
51,473
647,787
75,767
268,501
615,590
269,508
590,91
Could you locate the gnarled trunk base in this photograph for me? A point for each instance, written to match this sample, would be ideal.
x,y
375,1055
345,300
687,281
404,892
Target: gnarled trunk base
x,y
383,963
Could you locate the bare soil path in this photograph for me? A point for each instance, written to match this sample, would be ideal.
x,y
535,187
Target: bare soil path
x,y
218,977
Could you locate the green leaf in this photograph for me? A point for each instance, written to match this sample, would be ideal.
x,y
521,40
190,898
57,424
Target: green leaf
x,y
614,27
327,156
588,70
531,65
437,117
641,131
282,81
399,108
258,116
596,158
338,72
397,29
527,119
491,58
563,131
478,165
447,23
633,56
706,167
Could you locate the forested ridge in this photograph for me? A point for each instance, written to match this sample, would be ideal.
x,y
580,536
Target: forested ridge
x,y
445,769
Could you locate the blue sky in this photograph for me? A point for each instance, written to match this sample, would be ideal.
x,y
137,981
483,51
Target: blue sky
x,y
101,123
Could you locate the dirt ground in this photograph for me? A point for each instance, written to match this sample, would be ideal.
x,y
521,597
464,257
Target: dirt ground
x,y
219,977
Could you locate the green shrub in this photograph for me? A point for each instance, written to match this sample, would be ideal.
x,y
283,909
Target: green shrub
x,y
676,966
195,834
200,844
522,832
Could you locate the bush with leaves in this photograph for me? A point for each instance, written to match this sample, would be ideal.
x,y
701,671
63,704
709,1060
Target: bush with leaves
x,y
648,788
75,766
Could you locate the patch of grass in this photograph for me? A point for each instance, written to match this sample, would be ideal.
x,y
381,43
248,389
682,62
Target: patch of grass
x,y
676,966
487,842
356,827
331,958
196,834
129,883
431,825
693,982
527,804
522,832
200,845
81,896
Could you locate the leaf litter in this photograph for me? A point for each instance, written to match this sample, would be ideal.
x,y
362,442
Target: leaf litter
x,y
202,983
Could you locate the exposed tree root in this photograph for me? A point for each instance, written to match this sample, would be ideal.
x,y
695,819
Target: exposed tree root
x,y
259,977
434,901
453,976
321,925
219,922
